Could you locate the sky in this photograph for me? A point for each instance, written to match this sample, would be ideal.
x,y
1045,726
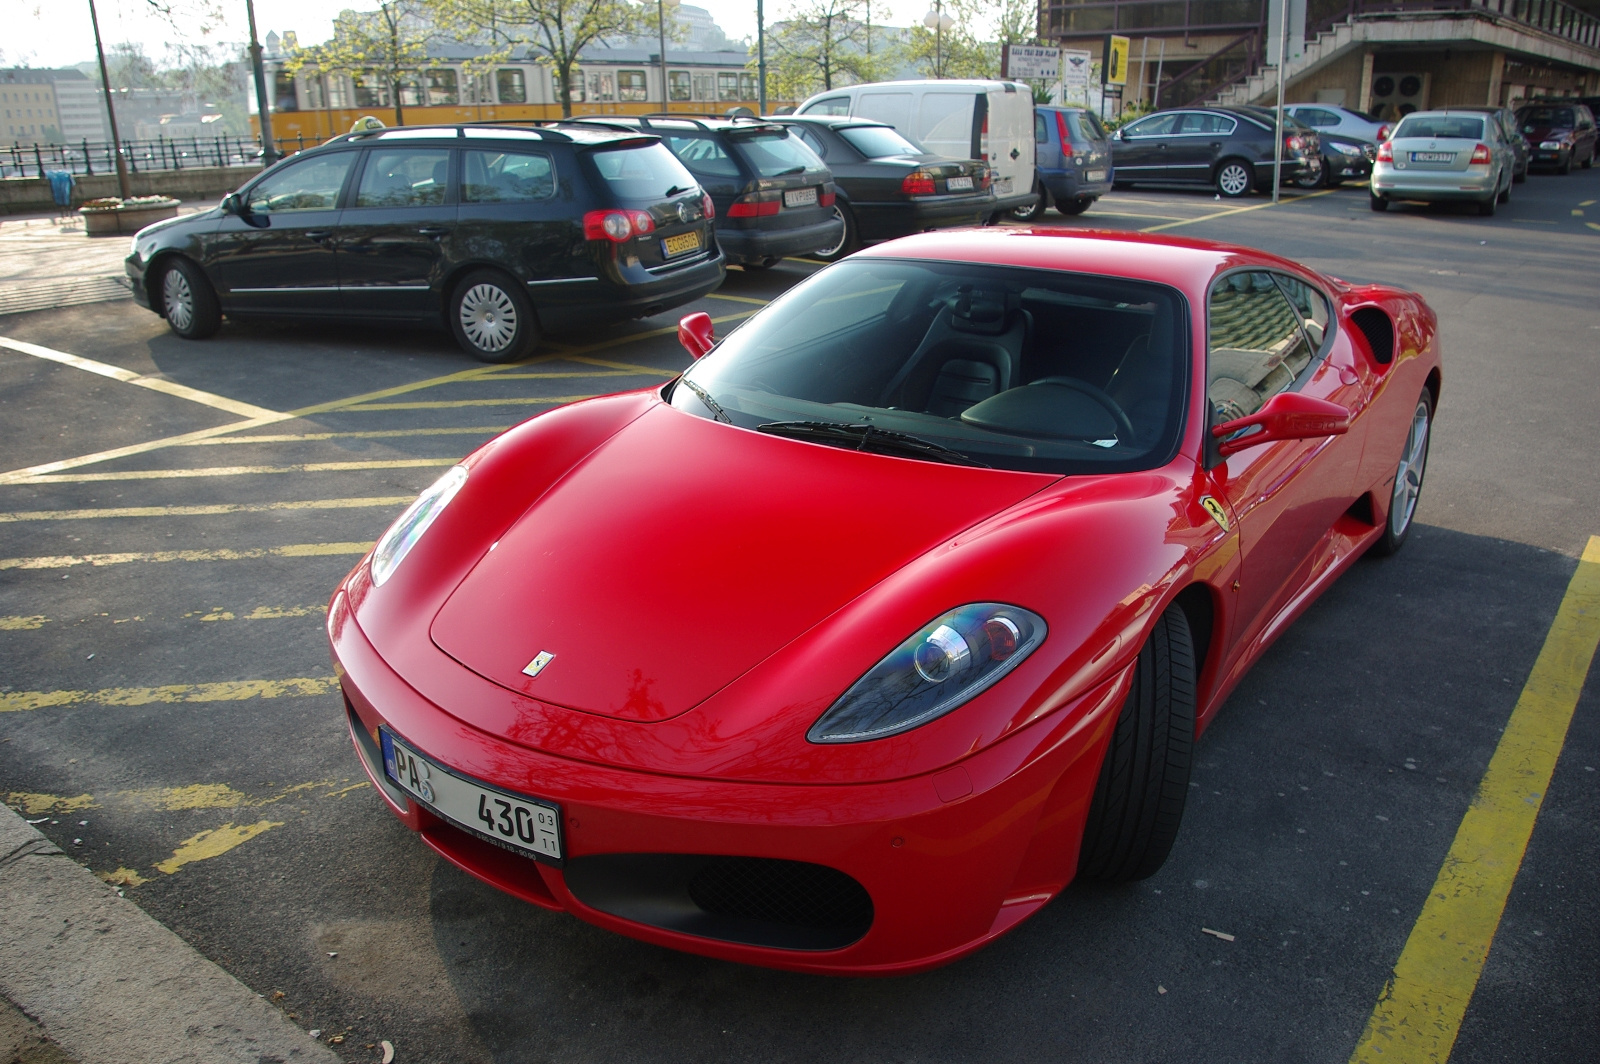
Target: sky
x,y
57,32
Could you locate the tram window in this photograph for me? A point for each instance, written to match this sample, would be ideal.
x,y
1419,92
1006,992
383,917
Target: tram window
x,y
602,88
410,93
727,85
747,86
680,85
338,90
630,86
705,87
372,90
441,87
506,177
283,95
575,86
511,85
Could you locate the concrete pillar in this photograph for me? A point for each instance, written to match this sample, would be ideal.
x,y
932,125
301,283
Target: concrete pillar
x,y
1364,98
1497,69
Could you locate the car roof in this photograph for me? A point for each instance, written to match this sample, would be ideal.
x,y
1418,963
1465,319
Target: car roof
x,y
675,121
523,132
833,121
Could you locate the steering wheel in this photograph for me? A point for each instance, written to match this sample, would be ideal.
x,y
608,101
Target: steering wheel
x,y
1124,426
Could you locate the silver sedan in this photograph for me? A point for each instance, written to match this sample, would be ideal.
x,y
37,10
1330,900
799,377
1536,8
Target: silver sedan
x,y
1444,155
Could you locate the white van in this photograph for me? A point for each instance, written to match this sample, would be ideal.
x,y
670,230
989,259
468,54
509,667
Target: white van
x,y
987,120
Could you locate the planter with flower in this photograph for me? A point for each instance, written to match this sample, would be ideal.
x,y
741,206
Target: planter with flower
x,y
110,215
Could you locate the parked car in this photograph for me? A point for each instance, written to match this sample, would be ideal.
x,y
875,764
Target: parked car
x,y
952,535
1227,148
1328,118
1441,156
1511,133
773,196
499,231
887,186
1562,133
1343,158
990,121
1072,160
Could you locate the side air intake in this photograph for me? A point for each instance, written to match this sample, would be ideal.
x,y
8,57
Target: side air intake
x,y
1379,331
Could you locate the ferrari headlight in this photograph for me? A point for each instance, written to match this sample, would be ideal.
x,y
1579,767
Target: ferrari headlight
x,y
409,526
953,659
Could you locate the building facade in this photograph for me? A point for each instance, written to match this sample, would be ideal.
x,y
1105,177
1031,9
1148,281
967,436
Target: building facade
x,y
28,107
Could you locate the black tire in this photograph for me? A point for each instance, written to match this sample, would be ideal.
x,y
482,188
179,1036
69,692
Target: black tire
x,y
1505,193
765,264
1234,178
1320,181
1517,178
478,311
187,300
848,242
1077,206
1486,207
1028,214
1588,164
1377,202
1121,186
1397,526
1566,167
1144,779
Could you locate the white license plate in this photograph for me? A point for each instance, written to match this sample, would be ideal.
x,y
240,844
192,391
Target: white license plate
x,y
958,184
1002,186
800,197
1095,175
525,824
1433,156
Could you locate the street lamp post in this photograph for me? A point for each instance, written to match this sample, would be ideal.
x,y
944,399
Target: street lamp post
x,y
761,60
111,112
661,30
269,150
937,21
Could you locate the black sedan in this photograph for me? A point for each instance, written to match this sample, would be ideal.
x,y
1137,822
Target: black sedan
x,y
888,186
1229,149
1344,158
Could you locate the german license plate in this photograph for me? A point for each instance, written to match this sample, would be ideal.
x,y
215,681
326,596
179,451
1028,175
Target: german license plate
x,y
800,197
520,823
958,184
1095,175
677,245
1433,156
1002,186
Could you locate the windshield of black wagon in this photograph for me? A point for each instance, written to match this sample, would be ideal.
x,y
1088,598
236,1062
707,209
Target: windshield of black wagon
x,y
1010,367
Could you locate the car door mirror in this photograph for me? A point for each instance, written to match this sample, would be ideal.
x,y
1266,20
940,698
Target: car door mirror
x,y
1286,416
695,333
1122,134
232,204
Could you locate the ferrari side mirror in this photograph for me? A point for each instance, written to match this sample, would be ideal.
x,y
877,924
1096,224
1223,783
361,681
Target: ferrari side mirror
x,y
695,333
1286,416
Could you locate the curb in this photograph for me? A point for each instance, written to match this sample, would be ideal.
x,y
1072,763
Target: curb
x,y
109,984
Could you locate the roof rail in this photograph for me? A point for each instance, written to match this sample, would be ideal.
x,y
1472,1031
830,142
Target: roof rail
x,y
694,116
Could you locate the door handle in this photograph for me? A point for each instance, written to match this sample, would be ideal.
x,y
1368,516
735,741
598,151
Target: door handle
x,y
1015,153
434,231
319,235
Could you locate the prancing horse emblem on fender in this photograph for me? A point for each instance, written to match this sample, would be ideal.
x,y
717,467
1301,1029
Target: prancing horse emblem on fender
x,y
1211,506
536,666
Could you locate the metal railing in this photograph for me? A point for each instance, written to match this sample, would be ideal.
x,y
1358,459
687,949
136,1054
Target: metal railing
x,y
88,158
1555,17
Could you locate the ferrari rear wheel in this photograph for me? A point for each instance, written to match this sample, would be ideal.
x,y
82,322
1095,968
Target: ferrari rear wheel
x,y
1144,779
1408,478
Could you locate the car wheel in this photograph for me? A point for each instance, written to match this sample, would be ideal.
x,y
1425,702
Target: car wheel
x,y
1408,479
1077,206
188,301
1144,779
492,318
1566,165
1519,178
1234,178
765,264
1588,163
1486,207
1377,202
847,239
1028,214
1317,180
1505,193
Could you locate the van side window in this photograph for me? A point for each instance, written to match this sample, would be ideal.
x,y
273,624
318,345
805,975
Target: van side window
x,y
833,105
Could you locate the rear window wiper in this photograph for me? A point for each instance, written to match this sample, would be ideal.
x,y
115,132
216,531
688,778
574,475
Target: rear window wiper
x,y
862,437
676,190
791,170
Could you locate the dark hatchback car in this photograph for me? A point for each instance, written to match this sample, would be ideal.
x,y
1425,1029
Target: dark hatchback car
x,y
1230,150
1562,133
1072,160
888,186
1344,157
500,231
774,197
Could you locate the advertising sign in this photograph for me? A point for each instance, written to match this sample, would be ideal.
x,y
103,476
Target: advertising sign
x,y
1030,61
1116,68
1075,69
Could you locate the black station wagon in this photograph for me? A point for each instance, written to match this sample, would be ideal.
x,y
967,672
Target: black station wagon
x,y
499,231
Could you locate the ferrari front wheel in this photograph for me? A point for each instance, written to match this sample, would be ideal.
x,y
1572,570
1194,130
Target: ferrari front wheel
x,y
1144,779
1408,478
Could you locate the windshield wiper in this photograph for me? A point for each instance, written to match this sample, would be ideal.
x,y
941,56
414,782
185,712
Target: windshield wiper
x,y
863,437
705,397
791,170
675,190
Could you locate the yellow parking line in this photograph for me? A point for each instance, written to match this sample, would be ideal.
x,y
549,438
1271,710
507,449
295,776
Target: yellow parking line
x,y
213,843
183,693
23,624
172,799
1238,210
206,510
1129,214
739,299
265,613
128,376
1592,225
452,404
233,471
293,550
1587,203
1420,1010
558,376
369,434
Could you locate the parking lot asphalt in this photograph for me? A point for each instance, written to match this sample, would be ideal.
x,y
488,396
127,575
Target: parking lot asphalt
x,y
169,711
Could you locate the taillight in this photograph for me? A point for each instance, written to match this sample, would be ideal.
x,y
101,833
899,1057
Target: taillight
x,y
642,222
1061,130
753,206
1386,152
1293,143
708,208
1480,155
917,183
1383,133
616,226
985,178
825,197
983,140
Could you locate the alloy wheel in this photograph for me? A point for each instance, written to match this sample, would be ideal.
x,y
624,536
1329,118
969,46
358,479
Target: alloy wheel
x,y
1233,180
488,317
1408,477
178,299
844,234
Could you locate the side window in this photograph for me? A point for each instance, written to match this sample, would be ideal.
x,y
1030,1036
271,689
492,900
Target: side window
x,y
308,185
1316,116
1154,126
703,155
1255,345
812,139
833,105
404,177
1041,129
506,177
1312,307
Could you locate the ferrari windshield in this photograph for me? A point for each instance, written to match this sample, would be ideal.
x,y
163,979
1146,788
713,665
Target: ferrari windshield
x,y
1002,366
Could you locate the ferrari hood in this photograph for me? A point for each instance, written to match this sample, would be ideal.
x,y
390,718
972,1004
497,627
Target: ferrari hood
x,y
683,552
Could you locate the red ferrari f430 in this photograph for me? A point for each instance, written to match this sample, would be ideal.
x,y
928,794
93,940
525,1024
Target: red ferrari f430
x,y
850,647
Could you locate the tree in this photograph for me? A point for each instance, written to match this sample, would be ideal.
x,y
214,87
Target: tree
x,y
966,49
552,32
390,42
821,43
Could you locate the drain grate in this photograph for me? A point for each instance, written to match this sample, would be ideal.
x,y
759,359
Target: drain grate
x,y
47,295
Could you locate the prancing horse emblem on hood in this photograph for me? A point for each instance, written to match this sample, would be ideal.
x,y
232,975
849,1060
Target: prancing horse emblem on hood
x,y
536,666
